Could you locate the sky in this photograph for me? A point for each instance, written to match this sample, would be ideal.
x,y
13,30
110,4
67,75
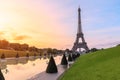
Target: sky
x,y
53,23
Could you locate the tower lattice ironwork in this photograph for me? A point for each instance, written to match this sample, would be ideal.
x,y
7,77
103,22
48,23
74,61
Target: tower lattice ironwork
x,y
80,41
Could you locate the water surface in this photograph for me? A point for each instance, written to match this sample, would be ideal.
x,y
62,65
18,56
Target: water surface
x,y
24,68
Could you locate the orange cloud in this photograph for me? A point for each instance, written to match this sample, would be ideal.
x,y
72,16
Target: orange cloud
x,y
21,37
1,33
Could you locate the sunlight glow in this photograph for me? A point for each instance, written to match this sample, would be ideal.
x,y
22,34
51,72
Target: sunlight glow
x,y
1,26
44,23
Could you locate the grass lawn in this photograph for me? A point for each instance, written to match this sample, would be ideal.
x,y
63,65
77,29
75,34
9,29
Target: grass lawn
x,y
100,65
12,53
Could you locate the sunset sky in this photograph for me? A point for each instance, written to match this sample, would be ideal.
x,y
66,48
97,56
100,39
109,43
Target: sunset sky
x,y
53,23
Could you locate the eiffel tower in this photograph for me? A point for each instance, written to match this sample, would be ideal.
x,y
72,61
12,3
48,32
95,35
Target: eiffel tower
x,y
78,45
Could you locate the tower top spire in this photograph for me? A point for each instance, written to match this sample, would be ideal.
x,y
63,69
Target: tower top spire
x,y
79,9
79,21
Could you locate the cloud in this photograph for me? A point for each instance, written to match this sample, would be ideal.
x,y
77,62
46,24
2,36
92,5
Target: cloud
x,y
108,44
1,33
21,37
105,30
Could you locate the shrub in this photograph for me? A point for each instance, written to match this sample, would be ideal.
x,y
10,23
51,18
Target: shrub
x,y
64,60
70,58
1,76
74,56
51,68
94,49
78,55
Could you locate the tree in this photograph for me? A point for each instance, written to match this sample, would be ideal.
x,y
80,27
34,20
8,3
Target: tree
x,y
40,54
27,55
35,54
51,68
15,46
3,56
1,76
94,49
41,51
33,48
4,44
60,51
24,47
17,55
67,50
64,60
49,51
118,45
54,51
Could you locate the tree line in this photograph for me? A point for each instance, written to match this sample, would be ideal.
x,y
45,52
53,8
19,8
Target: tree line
x,y
4,44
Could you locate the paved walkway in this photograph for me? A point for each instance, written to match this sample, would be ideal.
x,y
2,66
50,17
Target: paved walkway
x,y
47,76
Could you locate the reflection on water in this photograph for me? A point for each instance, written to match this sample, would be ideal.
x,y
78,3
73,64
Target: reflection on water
x,y
24,68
